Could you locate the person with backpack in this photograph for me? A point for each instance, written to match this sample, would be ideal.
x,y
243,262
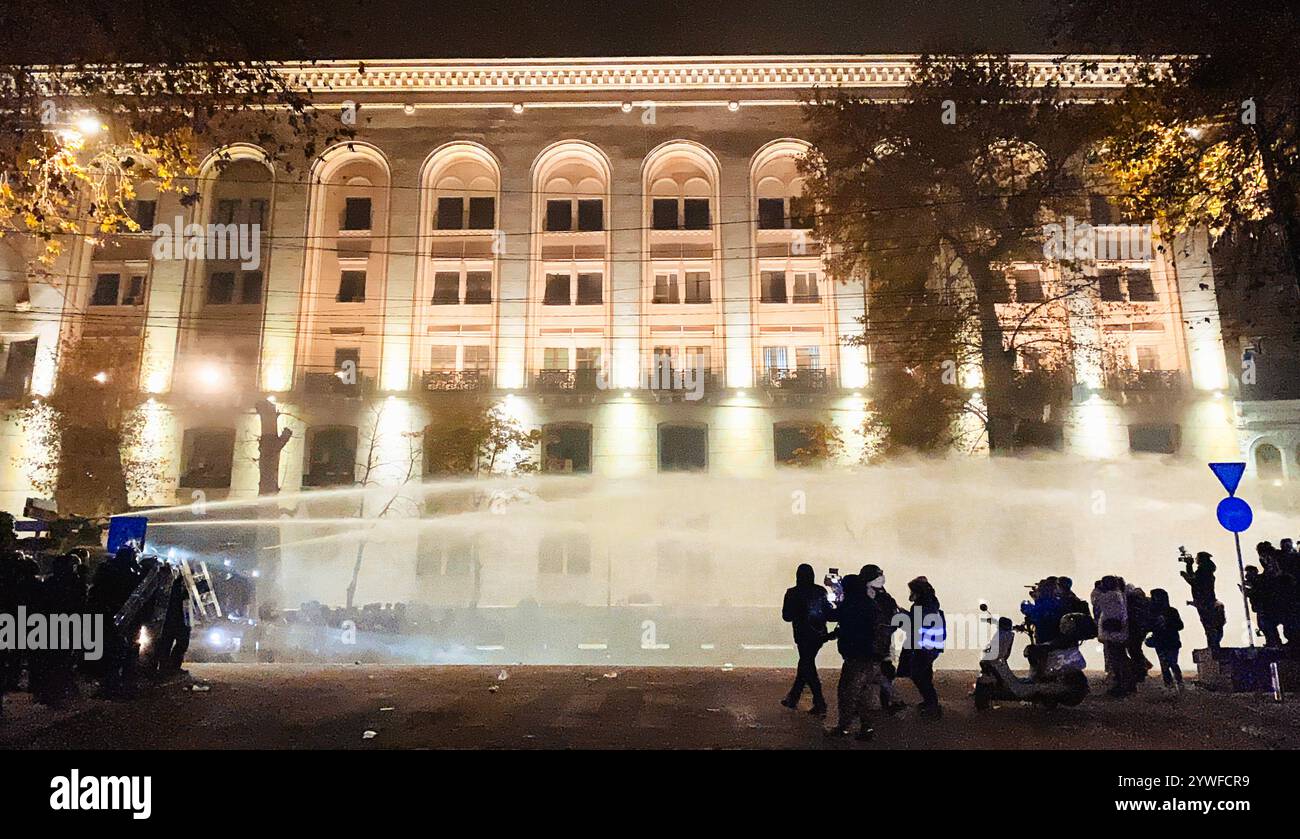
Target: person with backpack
x,y
806,610
1165,626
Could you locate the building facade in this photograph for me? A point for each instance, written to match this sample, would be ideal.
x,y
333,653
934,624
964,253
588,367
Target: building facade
x,y
615,250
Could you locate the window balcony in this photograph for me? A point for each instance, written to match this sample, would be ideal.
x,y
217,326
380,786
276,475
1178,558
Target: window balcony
x,y
796,379
460,380
1145,381
321,383
582,380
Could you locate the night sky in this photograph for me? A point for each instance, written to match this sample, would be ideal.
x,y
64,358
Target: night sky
x,y
495,29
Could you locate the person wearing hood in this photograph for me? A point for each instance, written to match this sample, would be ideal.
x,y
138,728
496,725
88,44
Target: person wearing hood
x,y
806,609
1110,606
886,609
1165,626
858,692
1204,600
926,636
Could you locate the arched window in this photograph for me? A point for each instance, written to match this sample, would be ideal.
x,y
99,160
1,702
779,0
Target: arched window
x,y
1268,462
778,187
343,320
572,182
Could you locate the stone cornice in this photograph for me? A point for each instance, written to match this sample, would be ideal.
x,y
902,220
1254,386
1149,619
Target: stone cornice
x,y
670,74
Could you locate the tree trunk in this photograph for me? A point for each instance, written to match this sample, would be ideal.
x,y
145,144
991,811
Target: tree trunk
x,y
998,364
269,445
1281,201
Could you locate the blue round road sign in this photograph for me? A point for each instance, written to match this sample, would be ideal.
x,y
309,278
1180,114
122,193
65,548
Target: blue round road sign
x,y
1234,514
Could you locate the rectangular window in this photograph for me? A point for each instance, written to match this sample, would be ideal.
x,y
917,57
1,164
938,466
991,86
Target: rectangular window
x,y
352,287
588,358
478,287
557,290
257,212
1148,358
451,213
142,213
591,214
801,213
559,214
555,358
208,459
1029,285
698,357
1140,286
805,287
695,213
665,213
1108,284
221,287
773,290
697,287
476,358
251,292
665,288
482,213
442,357
771,213
590,289
227,209
347,361
446,288
134,291
356,214
106,290
774,358
1160,439
808,358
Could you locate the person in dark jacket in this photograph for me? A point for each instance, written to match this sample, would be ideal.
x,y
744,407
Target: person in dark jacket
x,y
174,640
1204,599
53,672
1262,599
806,609
858,692
925,640
1165,626
115,579
886,609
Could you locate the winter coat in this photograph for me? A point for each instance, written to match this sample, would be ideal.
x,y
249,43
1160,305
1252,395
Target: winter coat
x,y
855,632
1165,626
806,609
1111,611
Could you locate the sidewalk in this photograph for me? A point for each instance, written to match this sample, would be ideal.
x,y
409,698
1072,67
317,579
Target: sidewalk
x,y
309,706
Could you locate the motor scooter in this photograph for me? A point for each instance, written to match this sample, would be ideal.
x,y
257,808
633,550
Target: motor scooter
x,y
1056,671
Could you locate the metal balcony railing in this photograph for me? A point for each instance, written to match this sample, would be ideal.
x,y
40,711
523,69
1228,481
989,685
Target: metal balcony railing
x,y
440,380
582,380
1144,380
332,383
796,379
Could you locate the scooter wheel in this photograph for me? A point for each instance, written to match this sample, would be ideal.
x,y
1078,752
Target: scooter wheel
x,y
983,697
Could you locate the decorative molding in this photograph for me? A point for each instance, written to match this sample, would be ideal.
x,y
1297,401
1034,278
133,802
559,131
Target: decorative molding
x,y
670,74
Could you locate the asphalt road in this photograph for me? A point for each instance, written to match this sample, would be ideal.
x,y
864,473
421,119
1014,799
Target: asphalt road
x,y
284,706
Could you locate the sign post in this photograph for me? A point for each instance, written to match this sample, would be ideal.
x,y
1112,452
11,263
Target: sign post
x,y
1235,515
